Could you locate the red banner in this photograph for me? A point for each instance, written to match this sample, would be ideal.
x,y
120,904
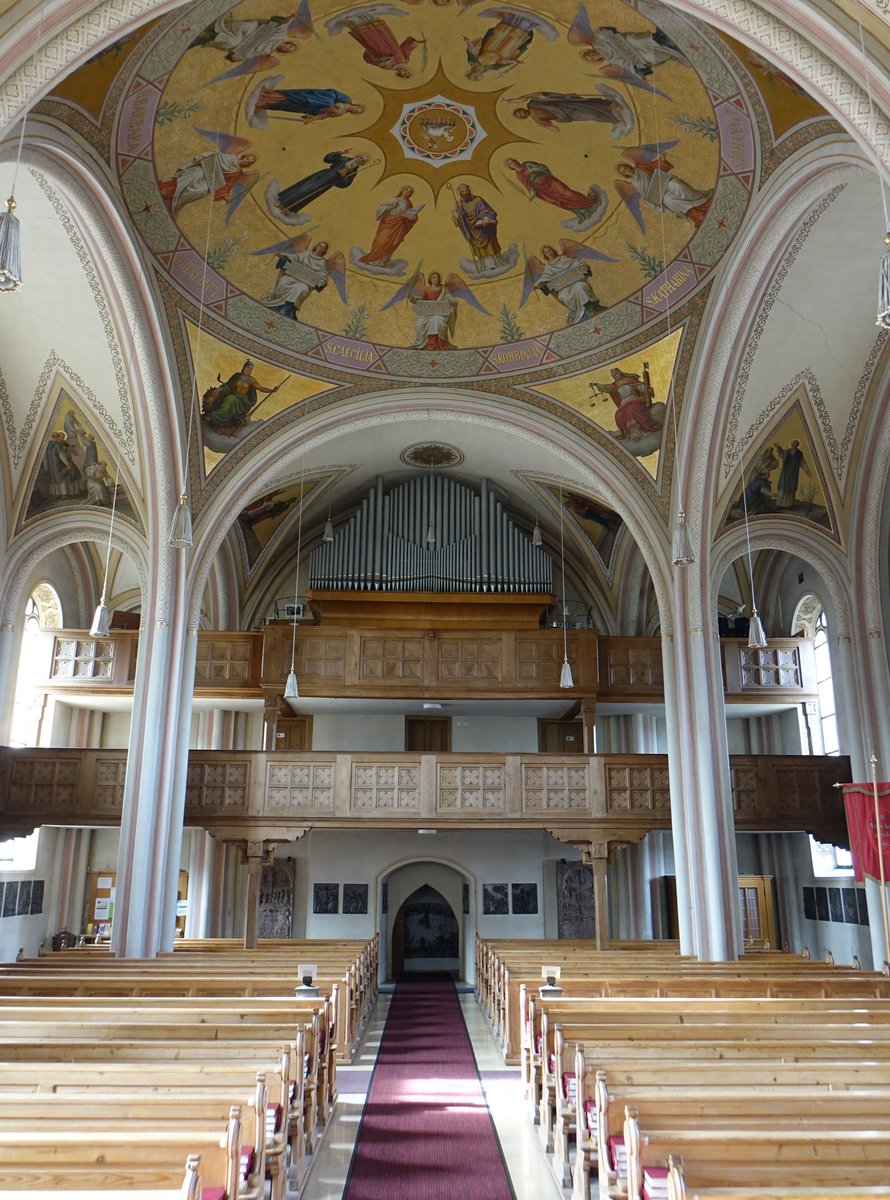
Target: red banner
x,y
862,820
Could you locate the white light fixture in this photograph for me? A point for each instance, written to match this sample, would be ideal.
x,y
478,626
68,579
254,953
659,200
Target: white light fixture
x,y
328,535
10,245
99,627
291,688
565,675
756,634
431,704
537,539
10,229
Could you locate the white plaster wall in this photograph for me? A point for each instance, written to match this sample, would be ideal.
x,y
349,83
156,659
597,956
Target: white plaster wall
x,y
115,731
499,735
358,731
28,932
484,856
787,857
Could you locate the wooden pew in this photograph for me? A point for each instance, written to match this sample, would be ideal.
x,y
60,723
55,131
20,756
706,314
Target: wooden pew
x,y
627,1079
60,1160
677,1189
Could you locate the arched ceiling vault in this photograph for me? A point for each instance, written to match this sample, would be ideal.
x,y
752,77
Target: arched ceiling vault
x,y
380,244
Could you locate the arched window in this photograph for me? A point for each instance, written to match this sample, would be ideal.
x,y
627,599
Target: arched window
x,y
42,610
827,860
827,707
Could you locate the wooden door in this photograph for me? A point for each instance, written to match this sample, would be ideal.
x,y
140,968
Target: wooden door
x,y
757,911
429,735
560,737
293,733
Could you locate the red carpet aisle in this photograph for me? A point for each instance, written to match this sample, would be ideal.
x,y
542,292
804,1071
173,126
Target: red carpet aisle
x,y
426,1133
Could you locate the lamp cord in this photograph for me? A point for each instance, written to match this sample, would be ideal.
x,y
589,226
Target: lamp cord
x,y
872,116
562,558
198,343
670,398
32,61
748,536
293,639
117,472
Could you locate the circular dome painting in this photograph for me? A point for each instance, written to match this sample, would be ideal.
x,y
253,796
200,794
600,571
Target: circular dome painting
x,y
436,187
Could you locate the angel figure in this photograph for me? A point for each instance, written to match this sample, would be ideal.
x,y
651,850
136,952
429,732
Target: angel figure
x,y
255,45
646,177
367,25
303,269
222,173
629,56
435,307
565,275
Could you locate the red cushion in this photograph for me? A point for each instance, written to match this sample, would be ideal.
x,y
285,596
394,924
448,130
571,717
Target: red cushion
x,y
539,1041
275,1111
248,1156
569,1086
213,1193
551,1063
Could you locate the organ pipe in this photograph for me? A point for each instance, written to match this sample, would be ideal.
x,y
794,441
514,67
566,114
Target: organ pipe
x,y
477,549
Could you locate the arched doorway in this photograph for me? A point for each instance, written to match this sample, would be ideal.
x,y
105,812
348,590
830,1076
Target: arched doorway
x,y
427,919
425,934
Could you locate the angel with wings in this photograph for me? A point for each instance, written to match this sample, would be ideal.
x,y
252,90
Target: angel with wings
x,y
646,178
435,307
222,173
303,269
565,275
254,45
629,56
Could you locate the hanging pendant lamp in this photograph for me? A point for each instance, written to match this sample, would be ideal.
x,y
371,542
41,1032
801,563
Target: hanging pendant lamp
x,y
566,679
756,633
100,625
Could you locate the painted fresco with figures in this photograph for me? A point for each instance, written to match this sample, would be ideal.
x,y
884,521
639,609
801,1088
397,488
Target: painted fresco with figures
x,y
534,196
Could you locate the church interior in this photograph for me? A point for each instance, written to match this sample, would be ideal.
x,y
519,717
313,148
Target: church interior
x,y
445,513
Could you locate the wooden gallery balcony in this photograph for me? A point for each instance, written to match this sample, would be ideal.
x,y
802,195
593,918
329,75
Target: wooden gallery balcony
x,y
410,663
256,795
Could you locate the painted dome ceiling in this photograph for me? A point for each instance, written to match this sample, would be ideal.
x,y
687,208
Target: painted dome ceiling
x,y
537,203
440,190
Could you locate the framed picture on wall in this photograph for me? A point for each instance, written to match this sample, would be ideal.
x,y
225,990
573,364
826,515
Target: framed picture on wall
x,y
325,897
10,898
355,898
494,900
822,904
836,905
862,904
37,896
809,903
851,908
525,898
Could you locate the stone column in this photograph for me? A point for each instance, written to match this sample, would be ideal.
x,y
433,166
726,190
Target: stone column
x,y
157,760
701,793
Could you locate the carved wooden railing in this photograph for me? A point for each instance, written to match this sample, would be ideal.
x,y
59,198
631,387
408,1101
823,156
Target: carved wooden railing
x,y
612,797
457,663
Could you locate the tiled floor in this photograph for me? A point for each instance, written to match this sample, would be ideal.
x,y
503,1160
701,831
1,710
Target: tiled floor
x,y
529,1169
